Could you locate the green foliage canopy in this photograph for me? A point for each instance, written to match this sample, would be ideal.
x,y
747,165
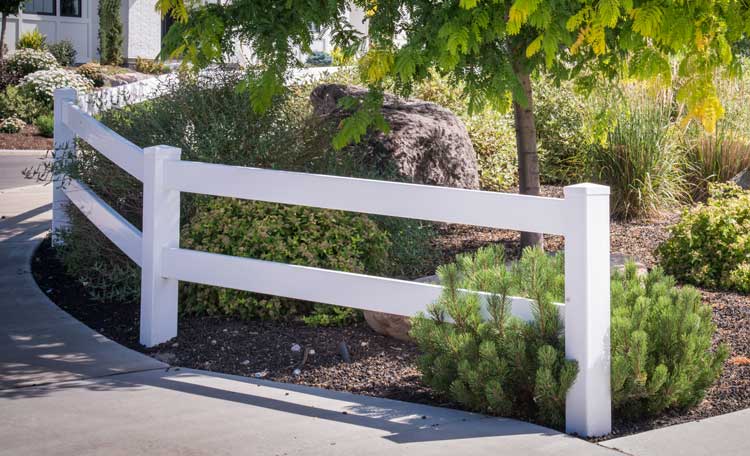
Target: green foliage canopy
x,y
484,43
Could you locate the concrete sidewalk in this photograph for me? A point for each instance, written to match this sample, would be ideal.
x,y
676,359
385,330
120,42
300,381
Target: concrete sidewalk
x,y
67,390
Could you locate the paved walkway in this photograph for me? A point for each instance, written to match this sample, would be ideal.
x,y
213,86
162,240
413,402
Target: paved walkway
x,y
65,389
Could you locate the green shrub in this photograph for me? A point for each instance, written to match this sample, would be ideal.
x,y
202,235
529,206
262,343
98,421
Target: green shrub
x,y
64,52
11,125
661,340
93,71
150,66
286,234
110,32
661,344
710,245
46,125
640,160
14,103
26,61
502,366
562,127
318,59
32,40
212,122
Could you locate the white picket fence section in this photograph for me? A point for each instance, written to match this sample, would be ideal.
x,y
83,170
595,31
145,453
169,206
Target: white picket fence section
x,y
582,216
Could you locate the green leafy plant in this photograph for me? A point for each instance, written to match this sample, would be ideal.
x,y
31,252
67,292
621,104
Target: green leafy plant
x,y
32,39
710,245
26,61
661,340
93,71
12,125
64,52
640,159
110,32
286,234
46,125
14,103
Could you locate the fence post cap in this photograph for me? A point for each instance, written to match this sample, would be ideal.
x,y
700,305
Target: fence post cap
x,y
65,92
586,189
163,152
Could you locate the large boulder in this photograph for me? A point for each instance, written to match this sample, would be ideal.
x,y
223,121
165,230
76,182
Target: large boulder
x,y
742,179
427,143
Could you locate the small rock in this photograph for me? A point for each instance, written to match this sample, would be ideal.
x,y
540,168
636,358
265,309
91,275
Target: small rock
x,y
166,357
260,374
742,179
311,352
344,351
296,348
175,345
213,342
297,372
245,362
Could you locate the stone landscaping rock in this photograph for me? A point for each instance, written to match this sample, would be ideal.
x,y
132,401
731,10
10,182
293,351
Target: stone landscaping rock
x,y
427,143
742,179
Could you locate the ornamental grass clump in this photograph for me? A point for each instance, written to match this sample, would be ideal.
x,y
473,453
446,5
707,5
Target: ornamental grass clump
x,y
710,245
492,362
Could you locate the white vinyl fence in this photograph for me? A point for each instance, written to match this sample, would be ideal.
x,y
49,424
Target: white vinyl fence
x,y
582,216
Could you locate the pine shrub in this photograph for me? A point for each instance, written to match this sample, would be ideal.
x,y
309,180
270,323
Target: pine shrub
x,y
489,361
499,365
64,51
661,344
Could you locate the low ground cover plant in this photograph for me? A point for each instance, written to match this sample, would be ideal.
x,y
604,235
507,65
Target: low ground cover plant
x,y
662,356
710,245
46,125
12,125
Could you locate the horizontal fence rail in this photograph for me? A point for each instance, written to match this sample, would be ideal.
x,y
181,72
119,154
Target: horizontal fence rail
x,y
118,230
423,202
379,294
582,216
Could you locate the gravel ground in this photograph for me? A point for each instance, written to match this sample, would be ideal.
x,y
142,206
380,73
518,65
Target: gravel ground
x,y
381,366
27,138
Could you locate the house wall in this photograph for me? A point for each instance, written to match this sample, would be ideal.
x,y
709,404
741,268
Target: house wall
x,y
142,27
82,32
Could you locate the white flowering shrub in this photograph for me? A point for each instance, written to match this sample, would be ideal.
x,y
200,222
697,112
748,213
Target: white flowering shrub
x,y
41,85
11,125
26,61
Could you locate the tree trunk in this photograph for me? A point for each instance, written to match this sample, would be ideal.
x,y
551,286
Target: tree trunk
x,y
2,36
528,160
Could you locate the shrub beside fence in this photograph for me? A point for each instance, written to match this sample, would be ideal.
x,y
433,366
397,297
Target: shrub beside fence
x,y
582,216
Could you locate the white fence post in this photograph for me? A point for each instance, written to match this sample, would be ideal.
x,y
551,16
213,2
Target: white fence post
x,y
588,408
161,229
64,149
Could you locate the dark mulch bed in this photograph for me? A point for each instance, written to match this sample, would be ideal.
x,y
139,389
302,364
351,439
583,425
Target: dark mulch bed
x,y
381,366
27,139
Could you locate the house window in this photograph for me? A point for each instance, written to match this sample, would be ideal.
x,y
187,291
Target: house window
x,y
43,7
70,8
